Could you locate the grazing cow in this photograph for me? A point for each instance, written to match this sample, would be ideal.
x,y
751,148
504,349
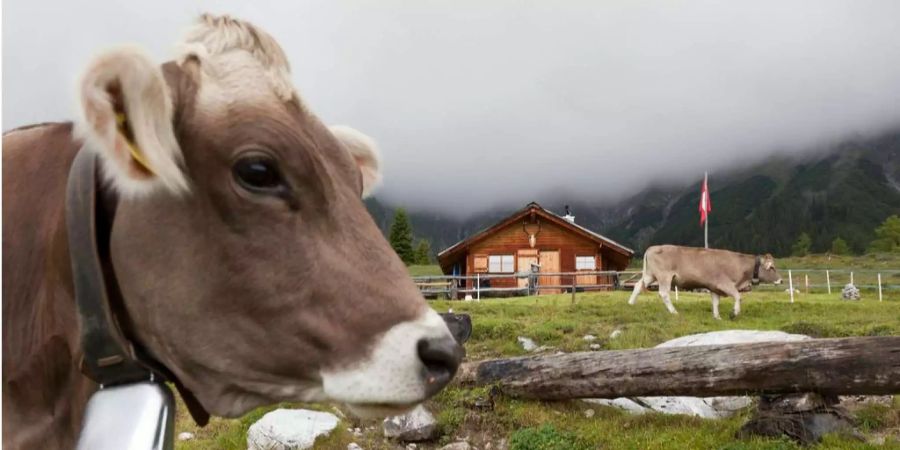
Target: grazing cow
x,y
247,264
723,272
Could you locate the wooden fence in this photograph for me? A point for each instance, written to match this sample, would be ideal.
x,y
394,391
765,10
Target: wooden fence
x,y
795,281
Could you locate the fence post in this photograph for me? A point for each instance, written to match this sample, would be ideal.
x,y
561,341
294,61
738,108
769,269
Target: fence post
x,y
676,293
828,280
851,279
791,285
478,287
574,283
879,288
806,282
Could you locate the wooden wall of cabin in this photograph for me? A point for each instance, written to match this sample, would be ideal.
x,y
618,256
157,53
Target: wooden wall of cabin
x,y
509,240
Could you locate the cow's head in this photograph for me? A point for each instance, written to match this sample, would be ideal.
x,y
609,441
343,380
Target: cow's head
x,y
767,271
248,263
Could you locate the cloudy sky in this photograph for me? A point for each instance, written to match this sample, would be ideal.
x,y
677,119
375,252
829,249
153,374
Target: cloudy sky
x,y
487,102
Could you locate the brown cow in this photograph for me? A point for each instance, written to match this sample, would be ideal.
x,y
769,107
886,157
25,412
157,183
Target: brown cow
x,y
248,265
723,272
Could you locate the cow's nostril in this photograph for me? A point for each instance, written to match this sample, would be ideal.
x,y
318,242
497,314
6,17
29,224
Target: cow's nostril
x,y
441,357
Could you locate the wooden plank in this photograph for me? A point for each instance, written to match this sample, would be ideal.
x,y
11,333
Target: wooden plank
x,y
524,260
549,263
864,365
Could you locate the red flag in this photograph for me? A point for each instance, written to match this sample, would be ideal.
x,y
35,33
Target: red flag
x,y
705,202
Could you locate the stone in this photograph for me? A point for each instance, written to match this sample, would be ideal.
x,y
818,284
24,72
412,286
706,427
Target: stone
x,y
416,425
805,418
615,334
590,337
289,429
185,436
527,344
353,446
709,407
596,346
589,413
462,445
850,292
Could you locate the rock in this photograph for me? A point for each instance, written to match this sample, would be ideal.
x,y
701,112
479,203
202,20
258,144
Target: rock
x,y
411,446
289,429
615,334
543,348
462,445
590,337
185,436
527,344
416,425
595,346
850,292
709,407
589,413
353,446
622,403
805,418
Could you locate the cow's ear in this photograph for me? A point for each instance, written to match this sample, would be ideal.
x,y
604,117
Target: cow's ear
x,y
126,116
366,154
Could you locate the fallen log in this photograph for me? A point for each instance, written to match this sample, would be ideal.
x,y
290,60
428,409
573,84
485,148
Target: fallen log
x,y
864,365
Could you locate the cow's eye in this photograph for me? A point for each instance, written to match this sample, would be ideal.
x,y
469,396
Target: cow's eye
x,y
258,173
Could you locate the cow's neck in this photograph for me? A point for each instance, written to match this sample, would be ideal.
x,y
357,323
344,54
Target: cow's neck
x,y
45,386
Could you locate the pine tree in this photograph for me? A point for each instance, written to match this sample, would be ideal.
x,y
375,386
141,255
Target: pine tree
x,y
423,252
887,236
401,236
839,246
801,247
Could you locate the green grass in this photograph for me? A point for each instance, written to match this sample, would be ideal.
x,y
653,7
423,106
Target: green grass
x,y
858,262
555,321
425,270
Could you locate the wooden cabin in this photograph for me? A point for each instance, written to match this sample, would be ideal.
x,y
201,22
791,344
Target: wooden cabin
x,y
534,235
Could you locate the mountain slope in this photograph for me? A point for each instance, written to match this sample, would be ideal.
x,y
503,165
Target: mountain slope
x,y
846,191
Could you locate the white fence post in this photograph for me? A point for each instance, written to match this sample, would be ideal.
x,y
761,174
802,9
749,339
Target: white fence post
x,y
879,288
791,285
851,279
676,293
828,280
806,282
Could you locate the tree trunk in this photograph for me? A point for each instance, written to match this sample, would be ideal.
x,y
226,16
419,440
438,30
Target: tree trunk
x,y
867,365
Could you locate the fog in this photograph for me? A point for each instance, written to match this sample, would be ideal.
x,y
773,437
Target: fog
x,y
498,102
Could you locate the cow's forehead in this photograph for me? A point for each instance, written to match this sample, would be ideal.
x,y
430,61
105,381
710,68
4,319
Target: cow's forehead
x,y
235,80
238,63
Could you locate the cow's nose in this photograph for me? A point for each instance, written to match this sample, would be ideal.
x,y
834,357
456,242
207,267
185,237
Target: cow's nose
x,y
441,357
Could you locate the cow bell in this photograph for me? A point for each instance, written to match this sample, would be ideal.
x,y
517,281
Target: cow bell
x,y
134,416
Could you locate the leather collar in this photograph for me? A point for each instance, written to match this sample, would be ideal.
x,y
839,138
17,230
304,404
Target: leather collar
x,y
109,357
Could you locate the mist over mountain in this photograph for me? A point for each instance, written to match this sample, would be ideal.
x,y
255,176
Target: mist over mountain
x,y
844,190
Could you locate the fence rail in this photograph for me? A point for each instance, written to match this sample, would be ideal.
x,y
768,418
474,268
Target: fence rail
x,y
527,283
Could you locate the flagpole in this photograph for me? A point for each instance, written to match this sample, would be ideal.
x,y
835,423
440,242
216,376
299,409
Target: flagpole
x,y
706,222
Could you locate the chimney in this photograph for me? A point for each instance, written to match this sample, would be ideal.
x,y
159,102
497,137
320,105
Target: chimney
x,y
569,215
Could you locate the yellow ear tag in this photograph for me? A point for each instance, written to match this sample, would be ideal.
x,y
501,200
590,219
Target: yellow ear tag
x,y
132,148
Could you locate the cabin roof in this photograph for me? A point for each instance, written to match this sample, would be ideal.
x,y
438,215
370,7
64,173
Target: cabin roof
x,y
450,254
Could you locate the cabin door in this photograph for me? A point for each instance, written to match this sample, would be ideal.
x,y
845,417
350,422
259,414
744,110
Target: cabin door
x,y
549,260
524,259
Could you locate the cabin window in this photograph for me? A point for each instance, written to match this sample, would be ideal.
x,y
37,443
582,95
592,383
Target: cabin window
x,y
501,264
585,263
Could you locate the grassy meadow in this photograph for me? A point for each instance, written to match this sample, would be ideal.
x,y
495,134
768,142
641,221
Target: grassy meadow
x,y
554,321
